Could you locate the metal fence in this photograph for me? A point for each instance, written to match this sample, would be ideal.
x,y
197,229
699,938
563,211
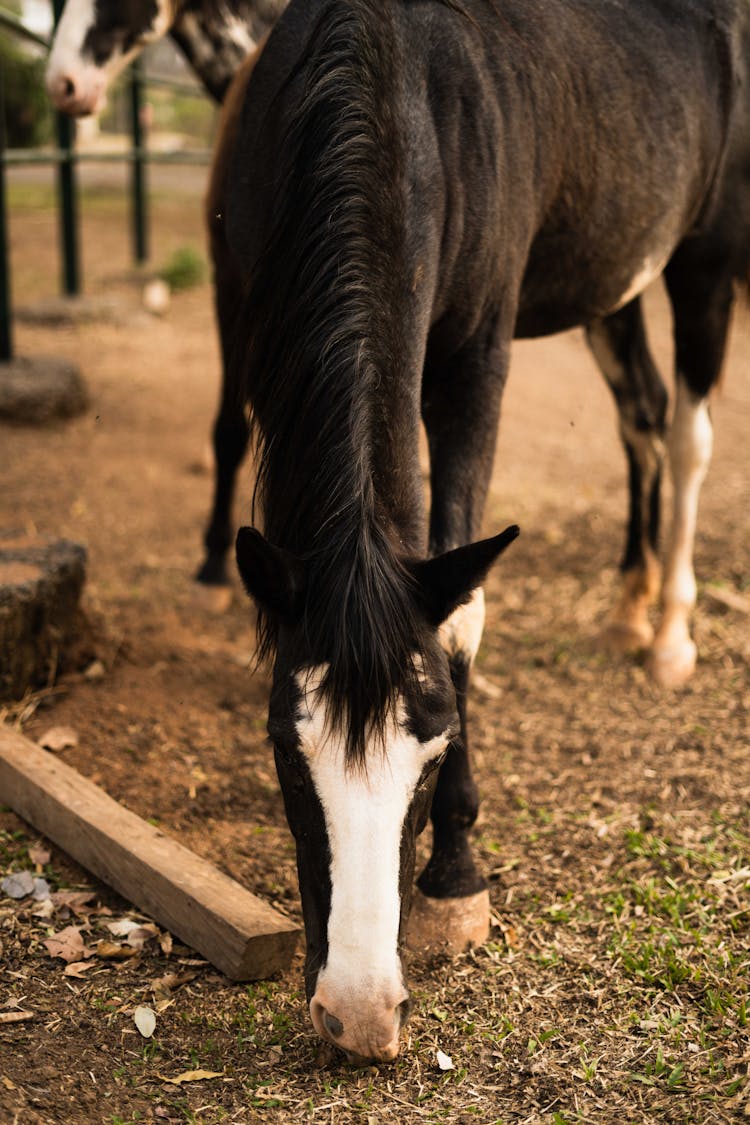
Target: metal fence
x,y
65,158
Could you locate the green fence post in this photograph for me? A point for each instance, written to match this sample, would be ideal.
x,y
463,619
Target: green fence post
x,y
140,199
6,331
67,195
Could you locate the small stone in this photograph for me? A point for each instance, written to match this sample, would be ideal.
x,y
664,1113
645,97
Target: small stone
x,y
95,671
156,297
18,885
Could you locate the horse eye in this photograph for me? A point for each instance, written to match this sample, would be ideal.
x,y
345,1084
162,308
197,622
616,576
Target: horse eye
x,y
436,763
286,756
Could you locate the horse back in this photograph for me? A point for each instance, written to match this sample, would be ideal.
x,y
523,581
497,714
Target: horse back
x,y
555,150
579,142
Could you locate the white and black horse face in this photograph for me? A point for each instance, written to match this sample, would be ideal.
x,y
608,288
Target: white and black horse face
x,y
95,40
356,817
355,827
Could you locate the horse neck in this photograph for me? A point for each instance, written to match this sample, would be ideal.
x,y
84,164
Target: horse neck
x,y
338,337
216,38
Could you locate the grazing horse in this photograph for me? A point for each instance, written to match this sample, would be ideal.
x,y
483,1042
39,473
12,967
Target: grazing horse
x,y
413,185
93,43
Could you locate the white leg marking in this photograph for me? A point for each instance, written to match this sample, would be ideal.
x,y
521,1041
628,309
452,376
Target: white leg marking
x,y
461,633
690,445
629,627
361,983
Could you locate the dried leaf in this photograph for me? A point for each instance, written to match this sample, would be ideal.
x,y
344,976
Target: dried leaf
x,y
68,944
72,898
192,1076
111,951
164,986
445,1062
59,738
78,968
7,1083
138,937
165,942
45,909
122,927
145,1020
18,885
16,1017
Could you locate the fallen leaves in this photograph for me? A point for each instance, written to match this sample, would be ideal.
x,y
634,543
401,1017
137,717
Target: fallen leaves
x,y
192,1076
145,1020
112,951
68,945
163,987
445,1062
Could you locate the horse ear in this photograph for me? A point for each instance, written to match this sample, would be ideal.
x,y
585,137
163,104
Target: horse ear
x,y
447,581
273,577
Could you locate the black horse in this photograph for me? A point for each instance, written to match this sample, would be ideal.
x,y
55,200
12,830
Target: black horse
x,y
415,183
93,43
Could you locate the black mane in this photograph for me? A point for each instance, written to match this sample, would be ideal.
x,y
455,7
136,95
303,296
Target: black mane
x,y
322,308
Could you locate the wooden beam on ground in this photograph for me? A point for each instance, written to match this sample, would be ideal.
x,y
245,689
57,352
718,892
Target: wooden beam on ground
x,y
242,936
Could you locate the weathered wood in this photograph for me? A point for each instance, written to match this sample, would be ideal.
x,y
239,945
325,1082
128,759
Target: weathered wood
x,y
40,588
238,933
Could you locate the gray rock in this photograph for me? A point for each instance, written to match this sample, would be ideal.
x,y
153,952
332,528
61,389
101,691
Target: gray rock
x,y
40,390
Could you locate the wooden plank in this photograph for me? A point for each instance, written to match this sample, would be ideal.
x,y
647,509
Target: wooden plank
x,y
242,936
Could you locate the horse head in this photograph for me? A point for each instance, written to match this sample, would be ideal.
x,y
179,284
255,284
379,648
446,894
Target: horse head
x,y
94,42
355,813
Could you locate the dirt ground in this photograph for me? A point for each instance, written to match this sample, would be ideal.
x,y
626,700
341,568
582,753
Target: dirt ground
x,y
614,828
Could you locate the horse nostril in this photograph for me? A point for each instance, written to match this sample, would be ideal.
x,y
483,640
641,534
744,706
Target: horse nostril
x,y
334,1027
68,87
403,1011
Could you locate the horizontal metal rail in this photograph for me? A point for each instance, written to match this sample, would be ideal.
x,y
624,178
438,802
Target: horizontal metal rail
x,y
17,157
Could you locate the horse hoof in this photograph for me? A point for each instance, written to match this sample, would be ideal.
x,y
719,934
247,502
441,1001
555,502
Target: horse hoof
x,y
451,924
672,667
625,637
213,599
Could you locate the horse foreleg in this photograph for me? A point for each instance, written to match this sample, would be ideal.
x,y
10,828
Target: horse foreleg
x,y
231,430
702,303
620,348
461,409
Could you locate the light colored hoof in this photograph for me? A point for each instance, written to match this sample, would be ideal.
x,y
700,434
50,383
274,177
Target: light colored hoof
x,y
451,924
213,599
622,637
672,667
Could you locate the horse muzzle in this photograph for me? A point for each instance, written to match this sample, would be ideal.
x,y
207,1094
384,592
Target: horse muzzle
x,y
78,93
365,1030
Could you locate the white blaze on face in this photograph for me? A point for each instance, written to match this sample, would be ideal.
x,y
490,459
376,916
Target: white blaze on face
x,y
361,984
76,84
461,633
